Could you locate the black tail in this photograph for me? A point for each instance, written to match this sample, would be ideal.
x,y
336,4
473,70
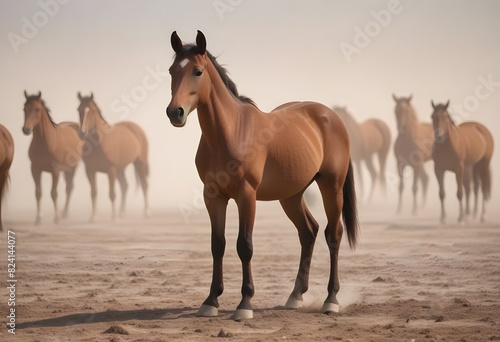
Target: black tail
x,y
349,210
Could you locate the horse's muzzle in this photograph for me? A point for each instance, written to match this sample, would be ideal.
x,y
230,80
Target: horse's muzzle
x,y
177,116
27,131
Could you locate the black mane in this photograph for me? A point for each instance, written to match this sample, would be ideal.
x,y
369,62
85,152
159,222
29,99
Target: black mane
x,y
191,49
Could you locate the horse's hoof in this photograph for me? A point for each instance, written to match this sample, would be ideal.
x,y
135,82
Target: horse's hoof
x,y
148,213
207,311
242,314
38,221
293,303
330,308
56,220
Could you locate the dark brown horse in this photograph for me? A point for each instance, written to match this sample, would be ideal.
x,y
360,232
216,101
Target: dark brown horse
x,y
466,150
6,157
248,155
412,148
369,137
54,148
110,149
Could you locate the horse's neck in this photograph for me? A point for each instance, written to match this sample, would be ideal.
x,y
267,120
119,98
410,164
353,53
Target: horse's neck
x,y
413,124
220,114
45,131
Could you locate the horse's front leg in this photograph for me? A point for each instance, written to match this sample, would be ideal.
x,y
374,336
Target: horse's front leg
x,y
246,202
440,178
53,194
216,208
459,174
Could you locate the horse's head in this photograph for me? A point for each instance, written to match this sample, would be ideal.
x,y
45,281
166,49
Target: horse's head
x,y
403,112
85,109
190,82
33,110
440,120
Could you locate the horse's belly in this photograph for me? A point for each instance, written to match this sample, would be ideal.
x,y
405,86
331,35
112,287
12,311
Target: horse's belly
x,y
279,182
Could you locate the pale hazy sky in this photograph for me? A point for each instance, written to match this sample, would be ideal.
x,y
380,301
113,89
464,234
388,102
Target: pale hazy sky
x,y
276,51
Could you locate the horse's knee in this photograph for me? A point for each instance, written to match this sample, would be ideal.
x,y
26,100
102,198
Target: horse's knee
x,y
244,247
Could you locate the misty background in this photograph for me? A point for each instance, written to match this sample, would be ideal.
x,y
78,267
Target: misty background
x,y
347,53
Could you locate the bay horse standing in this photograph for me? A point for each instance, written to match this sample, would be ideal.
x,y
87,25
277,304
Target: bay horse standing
x,y
55,148
6,157
367,138
412,148
466,150
247,155
110,149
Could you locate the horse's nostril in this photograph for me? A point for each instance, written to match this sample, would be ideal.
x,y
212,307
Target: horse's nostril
x,y
180,113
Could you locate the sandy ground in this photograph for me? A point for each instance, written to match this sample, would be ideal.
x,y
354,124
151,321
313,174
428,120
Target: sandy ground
x,y
142,280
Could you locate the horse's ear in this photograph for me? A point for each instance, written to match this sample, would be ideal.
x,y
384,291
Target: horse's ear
x,y
91,95
40,94
176,42
447,104
25,94
433,105
201,42
80,96
394,97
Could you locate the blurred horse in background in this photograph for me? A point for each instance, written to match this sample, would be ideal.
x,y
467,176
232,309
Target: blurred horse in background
x,y
6,157
466,150
369,137
55,148
110,149
412,148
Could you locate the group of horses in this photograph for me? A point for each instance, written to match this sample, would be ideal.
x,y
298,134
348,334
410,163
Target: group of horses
x,y
59,147
464,149
247,155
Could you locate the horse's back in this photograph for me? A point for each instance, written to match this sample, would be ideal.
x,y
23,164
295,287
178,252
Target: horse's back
x,y
376,135
477,140
123,143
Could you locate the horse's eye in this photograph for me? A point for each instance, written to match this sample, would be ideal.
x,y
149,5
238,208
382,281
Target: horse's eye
x,y
198,73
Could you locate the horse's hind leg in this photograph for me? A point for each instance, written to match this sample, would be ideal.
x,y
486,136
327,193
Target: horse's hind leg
x,y
296,210
331,191
112,193
477,183
69,178
467,183
373,175
123,187
53,194
141,170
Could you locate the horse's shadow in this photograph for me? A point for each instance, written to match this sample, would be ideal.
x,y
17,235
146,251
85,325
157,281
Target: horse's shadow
x,y
110,316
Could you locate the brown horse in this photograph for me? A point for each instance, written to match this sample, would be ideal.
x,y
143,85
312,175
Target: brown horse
x,y
6,157
369,137
466,150
413,147
248,155
110,149
54,148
